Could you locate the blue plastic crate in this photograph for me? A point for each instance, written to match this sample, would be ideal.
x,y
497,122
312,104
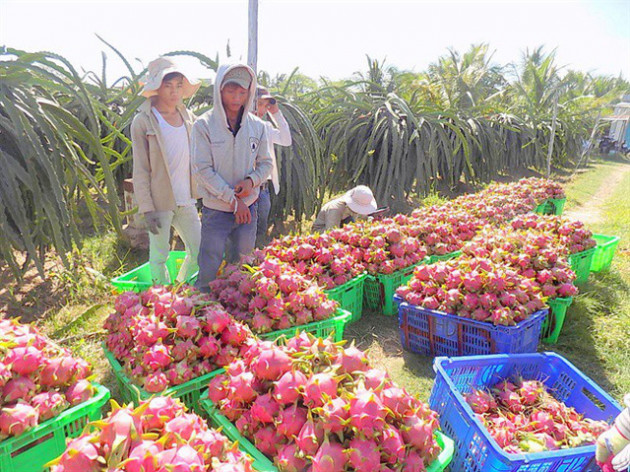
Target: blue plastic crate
x,y
475,450
434,333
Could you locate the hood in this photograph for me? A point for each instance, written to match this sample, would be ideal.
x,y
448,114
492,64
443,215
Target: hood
x,y
218,109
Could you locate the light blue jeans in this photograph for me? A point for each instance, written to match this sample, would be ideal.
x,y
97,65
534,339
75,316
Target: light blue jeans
x,y
264,207
217,228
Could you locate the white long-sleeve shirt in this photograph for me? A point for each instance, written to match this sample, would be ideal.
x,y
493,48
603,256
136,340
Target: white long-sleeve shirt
x,y
281,136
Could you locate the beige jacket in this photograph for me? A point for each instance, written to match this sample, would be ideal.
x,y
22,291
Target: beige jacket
x,y
151,177
332,214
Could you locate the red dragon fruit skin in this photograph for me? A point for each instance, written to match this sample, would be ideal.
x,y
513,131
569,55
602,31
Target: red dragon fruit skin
x,y
17,419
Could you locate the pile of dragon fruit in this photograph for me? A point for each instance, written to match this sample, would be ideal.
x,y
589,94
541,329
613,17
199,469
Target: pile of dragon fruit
x,y
384,246
318,257
313,405
38,379
158,435
572,235
535,255
476,288
523,417
271,296
167,336
534,187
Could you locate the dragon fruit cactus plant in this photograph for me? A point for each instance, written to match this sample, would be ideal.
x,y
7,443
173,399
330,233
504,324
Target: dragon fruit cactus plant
x,y
475,288
522,416
158,435
271,296
38,379
168,336
312,405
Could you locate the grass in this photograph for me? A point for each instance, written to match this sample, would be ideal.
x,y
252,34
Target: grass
x,y
585,185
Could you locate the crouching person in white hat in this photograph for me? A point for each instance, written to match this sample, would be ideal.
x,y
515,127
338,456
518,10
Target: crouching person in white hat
x,y
356,202
231,159
162,177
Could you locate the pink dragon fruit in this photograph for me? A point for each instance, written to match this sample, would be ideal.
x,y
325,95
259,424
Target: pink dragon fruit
x,y
14,421
81,455
20,388
287,459
330,457
24,360
272,363
160,410
317,386
49,404
363,454
157,357
310,437
80,392
290,420
352,360
265,408
156,382
367,413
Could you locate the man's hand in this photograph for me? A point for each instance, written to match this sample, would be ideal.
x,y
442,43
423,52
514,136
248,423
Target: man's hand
x,y
152,220
243,188
273,108
616,441
243,215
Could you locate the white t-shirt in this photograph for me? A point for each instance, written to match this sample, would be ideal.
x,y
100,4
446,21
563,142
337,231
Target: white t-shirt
x,y
178,159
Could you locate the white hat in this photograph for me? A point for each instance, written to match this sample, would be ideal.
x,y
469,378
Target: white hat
x,y
361,200
238,75
158,69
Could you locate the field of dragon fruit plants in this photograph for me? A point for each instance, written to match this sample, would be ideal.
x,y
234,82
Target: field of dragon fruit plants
x,y
305,402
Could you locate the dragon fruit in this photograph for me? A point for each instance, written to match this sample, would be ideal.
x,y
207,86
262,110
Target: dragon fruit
x,y
49,404
179,441
17,419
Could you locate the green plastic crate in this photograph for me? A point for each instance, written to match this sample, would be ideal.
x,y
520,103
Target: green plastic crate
x,y
444,257
350,296
604,253
139,279
552,325
320,329
581,264
36,447
551,206
263,464
380,289
188,392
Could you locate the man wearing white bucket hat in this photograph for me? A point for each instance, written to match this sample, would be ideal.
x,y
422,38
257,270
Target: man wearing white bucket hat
x,y
162,178
342,210
231,159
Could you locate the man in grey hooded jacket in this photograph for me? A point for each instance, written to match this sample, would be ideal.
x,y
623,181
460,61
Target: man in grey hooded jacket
x,y
231,159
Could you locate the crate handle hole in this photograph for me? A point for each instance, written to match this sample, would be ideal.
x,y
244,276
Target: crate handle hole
x,y
591,396
32,444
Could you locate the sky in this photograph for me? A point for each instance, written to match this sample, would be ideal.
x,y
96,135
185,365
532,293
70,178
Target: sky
x,y
323,38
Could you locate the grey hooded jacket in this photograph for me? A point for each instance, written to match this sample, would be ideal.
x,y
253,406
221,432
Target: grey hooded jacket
x,y
221,160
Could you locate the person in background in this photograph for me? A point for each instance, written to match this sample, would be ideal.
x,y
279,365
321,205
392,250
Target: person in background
x,y
356,202
231,160
279,133
612,452
163,183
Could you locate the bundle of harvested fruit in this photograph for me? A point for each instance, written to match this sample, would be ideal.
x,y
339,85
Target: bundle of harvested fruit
x,y
384,246
532,254
319,257
38,379
476,288
522,416
572,235
167,336
158,435
271,296
313,405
